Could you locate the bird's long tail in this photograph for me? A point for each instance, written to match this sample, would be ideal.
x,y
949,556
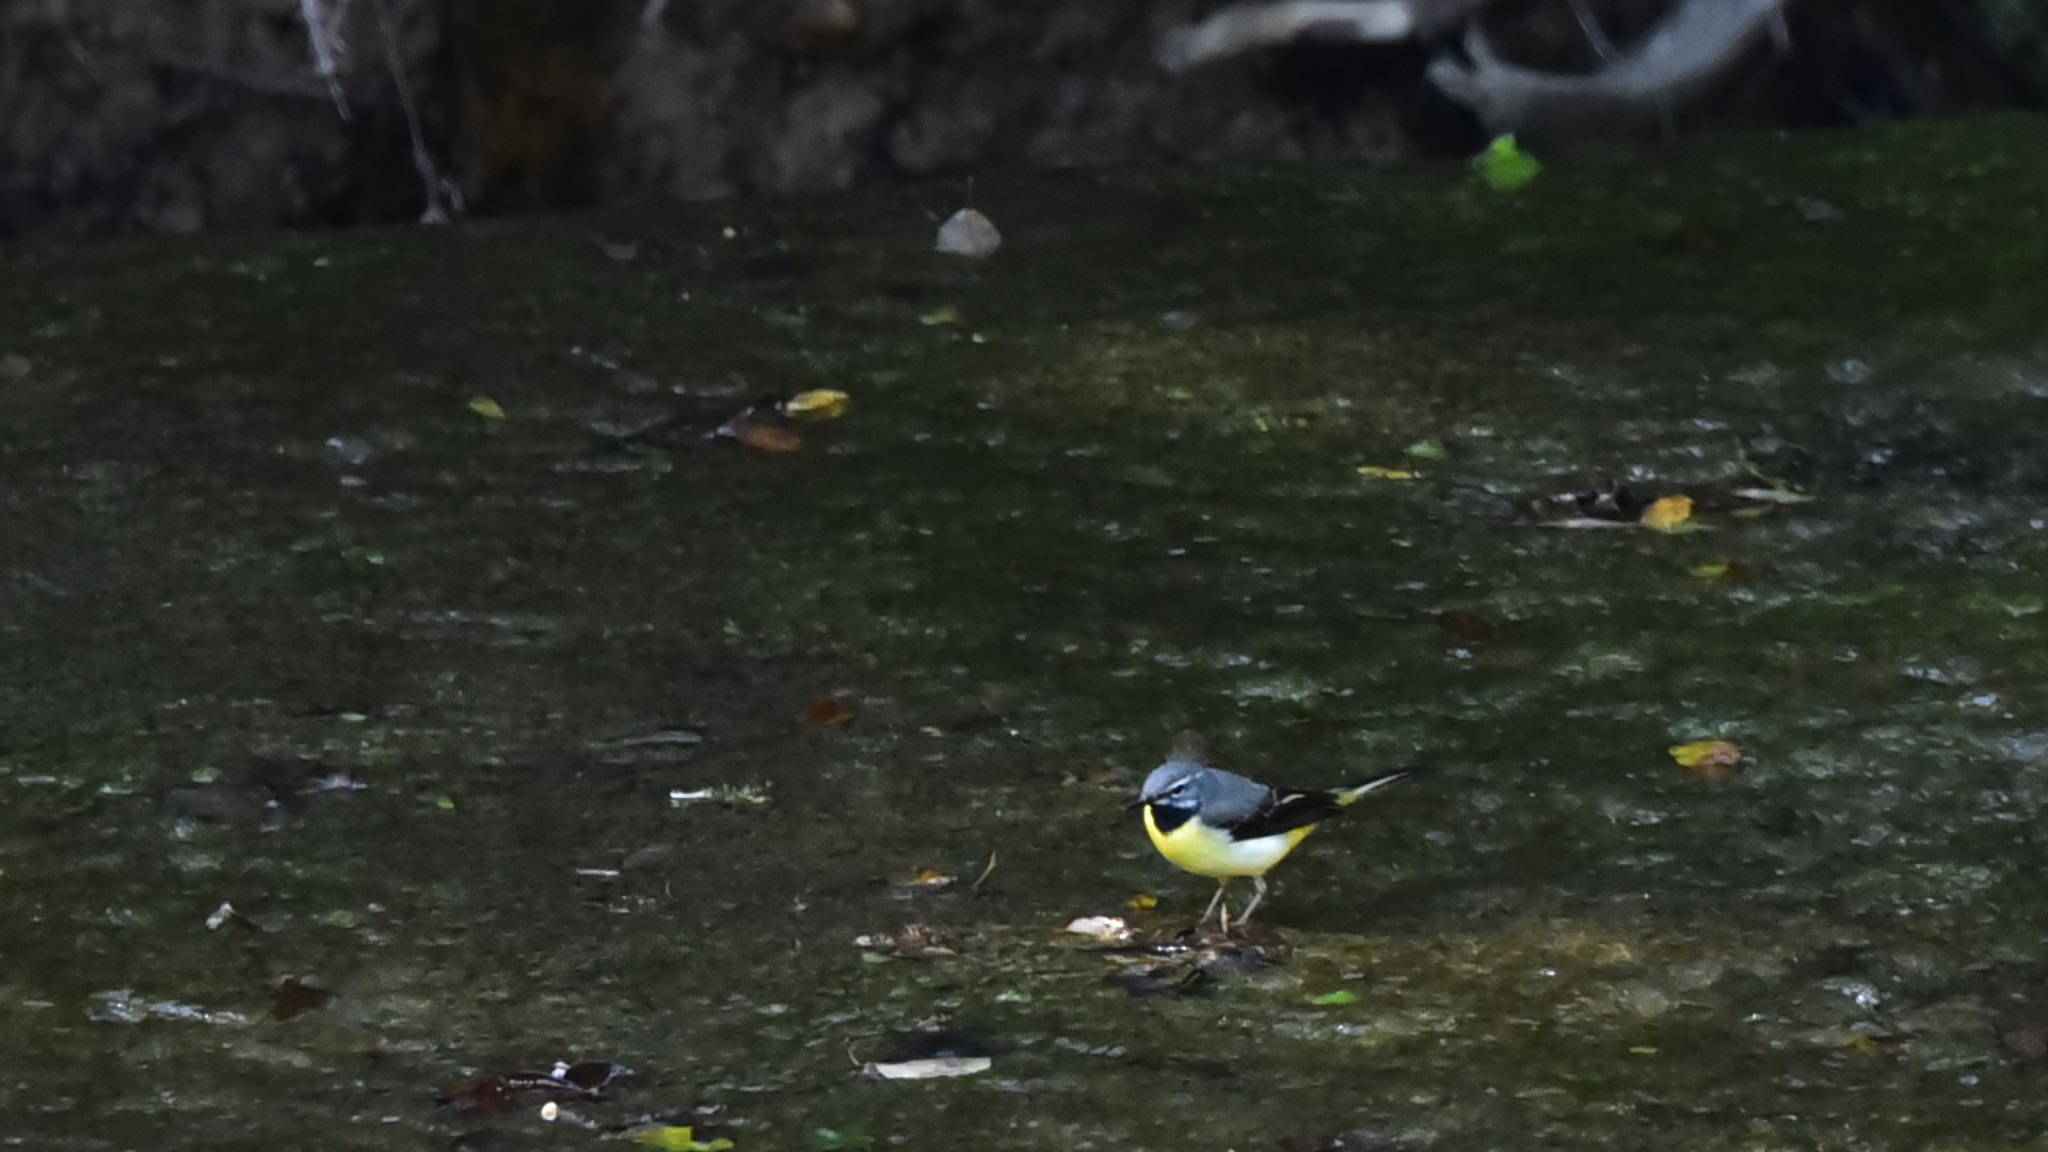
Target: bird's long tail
x,y
1351,793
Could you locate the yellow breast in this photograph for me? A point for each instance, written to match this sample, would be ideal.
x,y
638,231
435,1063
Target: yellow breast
x,y
1205,851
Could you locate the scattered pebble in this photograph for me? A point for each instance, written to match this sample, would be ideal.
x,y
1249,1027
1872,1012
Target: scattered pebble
x,y
1818,211
1101,927
968,233
352,451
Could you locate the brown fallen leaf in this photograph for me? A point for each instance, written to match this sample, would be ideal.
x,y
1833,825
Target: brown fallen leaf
x,y
828,712
762,436
478,1095
2023,1035
1465,625
1710,760
294,996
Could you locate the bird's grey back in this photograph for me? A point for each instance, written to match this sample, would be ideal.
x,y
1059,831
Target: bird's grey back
x,y
1227,797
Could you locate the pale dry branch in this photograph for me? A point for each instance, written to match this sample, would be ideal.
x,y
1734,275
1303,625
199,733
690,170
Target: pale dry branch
x,y
320,32
1696,45
444,199
1242,28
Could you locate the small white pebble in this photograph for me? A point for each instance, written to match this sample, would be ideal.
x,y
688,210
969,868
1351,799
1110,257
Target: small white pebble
x,y
550,1110
968,233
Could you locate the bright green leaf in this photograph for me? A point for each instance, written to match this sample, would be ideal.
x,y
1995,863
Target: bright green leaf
x,y
1504,166
486,407
1331,999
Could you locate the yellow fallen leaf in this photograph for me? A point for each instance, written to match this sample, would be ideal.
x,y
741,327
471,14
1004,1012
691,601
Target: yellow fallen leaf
x,y
486,407
1711,760
1709,571
678,1138
1376,472
1667,514
1642,1050
1143,902
817,404
925,878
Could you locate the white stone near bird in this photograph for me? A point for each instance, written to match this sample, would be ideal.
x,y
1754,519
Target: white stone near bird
x,y
968,233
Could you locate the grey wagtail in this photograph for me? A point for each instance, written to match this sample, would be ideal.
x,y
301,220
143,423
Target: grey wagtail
x,y
1219,824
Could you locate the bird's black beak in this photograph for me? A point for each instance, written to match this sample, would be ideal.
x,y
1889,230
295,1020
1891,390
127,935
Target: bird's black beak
x,y
1140,802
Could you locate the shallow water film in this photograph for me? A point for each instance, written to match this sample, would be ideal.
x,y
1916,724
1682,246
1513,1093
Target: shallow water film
x,y
433,656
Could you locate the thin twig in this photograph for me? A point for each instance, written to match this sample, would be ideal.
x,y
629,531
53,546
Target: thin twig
x,y
323,54
444,203
1596,36
976,886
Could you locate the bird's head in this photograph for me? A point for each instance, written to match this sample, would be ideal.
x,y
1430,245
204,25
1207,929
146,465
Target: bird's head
x,y
1174,784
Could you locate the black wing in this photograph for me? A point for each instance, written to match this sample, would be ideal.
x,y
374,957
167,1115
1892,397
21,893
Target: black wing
x,y
1284,810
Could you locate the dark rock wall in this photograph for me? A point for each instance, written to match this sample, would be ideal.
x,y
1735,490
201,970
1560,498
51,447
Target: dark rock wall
x,y
188,114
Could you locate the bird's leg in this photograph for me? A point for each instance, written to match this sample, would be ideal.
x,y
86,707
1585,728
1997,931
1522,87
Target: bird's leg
x,y
1215,902
1258,894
